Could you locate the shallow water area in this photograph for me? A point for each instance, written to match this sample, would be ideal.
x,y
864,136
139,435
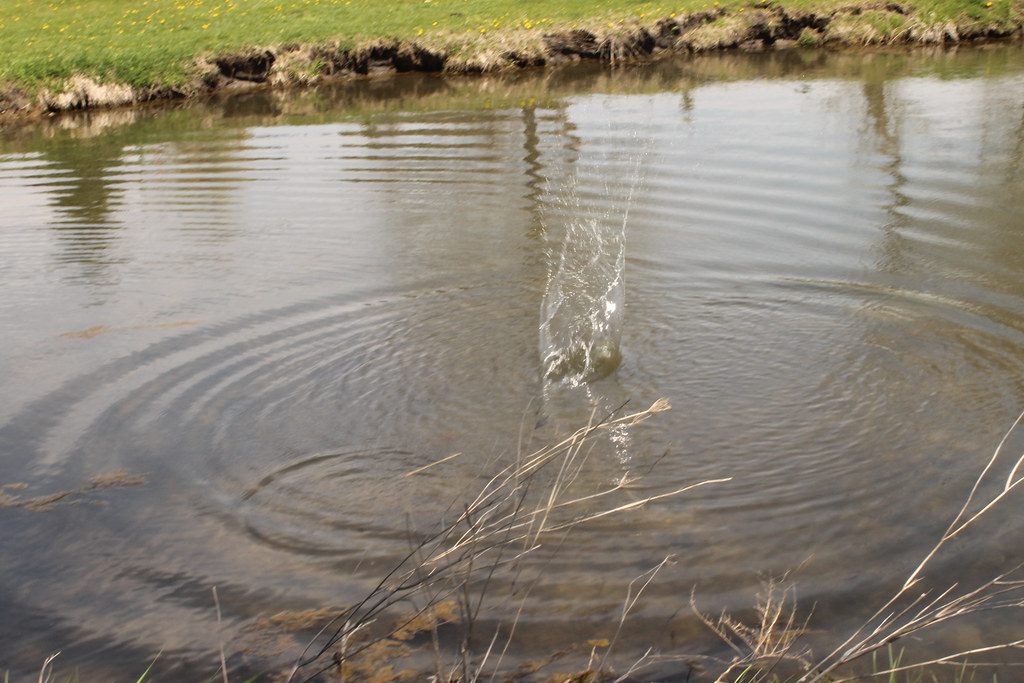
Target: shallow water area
x,y
273,306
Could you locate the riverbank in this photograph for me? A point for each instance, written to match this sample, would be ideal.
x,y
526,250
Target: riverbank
x,y
62,57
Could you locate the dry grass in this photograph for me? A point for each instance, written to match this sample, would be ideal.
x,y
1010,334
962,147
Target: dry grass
x,y
760,648
774,639
82,92
513,516
477,53
725,32
911,610
516,511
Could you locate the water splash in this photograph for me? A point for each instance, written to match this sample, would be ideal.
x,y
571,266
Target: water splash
x,y
582,309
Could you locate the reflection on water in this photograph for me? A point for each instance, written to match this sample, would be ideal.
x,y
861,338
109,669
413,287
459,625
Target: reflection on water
x,y
275,306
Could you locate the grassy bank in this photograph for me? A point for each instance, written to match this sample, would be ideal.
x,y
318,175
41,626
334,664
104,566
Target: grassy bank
x,y
54,54
142,42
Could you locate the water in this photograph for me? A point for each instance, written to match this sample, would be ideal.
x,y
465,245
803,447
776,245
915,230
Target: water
x,y
272,307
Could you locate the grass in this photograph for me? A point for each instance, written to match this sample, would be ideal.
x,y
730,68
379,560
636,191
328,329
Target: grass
x,y
152,41
46,674
146,43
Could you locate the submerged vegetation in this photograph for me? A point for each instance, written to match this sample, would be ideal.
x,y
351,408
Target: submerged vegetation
x,y
68,54
100,482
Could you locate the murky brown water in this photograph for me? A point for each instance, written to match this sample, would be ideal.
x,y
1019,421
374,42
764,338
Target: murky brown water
x,y
273,306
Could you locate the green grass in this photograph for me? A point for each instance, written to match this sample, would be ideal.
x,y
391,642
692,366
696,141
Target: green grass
x,y
153,42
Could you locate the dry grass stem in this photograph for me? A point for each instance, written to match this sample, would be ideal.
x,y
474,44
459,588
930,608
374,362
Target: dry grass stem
x,y
223,659
631,601
46,672
418,470
955,658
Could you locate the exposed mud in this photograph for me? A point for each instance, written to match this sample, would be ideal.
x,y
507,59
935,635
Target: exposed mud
x,y
761,26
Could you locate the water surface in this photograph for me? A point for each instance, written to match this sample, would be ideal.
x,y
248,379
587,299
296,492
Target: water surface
x,y
273,306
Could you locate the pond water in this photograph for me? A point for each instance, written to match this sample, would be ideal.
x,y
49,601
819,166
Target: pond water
x,y
264,310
